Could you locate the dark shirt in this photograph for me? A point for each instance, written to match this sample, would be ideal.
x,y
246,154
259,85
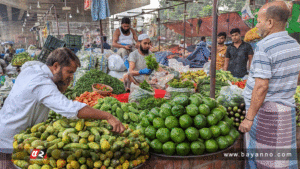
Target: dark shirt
x,y
106,46
238,58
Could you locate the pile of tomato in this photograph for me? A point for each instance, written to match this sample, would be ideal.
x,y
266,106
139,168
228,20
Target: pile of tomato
x,y
89,98
240,84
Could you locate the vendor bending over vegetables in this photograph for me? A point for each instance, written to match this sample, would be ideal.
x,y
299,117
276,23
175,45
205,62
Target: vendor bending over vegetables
x,y
37,89
137,65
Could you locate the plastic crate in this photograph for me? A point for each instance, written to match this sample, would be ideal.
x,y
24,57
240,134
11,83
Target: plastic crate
x,y
44,55
73,41
53,43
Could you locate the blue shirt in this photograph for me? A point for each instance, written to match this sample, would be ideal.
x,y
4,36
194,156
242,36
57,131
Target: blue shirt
x,y
277,58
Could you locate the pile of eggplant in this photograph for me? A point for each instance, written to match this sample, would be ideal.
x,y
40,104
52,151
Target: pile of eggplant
x,y
237,114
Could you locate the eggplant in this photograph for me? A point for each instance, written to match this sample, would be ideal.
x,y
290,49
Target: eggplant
x,y
239,111
235,109
237,124
242,117
236,119
231,113
229,109
237,115
244,112
232,118
242,106
227,113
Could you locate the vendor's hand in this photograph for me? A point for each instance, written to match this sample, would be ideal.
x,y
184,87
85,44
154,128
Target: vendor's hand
x,y
245,126
116,124
128,47
145,71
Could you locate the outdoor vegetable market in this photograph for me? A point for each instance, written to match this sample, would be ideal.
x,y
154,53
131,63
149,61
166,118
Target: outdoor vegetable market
x,y
152,84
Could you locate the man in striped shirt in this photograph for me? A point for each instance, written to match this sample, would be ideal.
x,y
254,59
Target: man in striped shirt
x,y
270,124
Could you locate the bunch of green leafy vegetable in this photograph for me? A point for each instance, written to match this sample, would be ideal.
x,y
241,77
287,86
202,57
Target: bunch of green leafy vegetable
x,y
151,102
146,86
96,76
203,86
225,76
175,83
151,62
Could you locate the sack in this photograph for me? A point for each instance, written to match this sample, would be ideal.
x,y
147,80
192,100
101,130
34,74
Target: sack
x,y
10,70
206,67
246,12
230,96
178,91
118,75
116,63
178,66
136,93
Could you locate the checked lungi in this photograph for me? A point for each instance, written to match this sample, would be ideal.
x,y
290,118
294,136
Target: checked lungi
x,y
273,133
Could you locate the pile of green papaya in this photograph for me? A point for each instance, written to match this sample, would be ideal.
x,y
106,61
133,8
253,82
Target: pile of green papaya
x,y
125,112
52,116
79,144
186,126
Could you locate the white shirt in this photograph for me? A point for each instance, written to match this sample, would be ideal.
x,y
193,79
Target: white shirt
x,y
32,96
123,39
182,45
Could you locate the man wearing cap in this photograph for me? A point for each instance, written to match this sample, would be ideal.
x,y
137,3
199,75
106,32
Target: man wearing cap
x,y
181,46
136,63
124,38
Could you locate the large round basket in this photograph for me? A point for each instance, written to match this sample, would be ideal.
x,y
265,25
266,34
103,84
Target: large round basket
x,y
103,93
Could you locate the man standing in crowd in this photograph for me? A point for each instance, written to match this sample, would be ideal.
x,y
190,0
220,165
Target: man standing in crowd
x,y
270,122
221,50
37,89
124,38
238,54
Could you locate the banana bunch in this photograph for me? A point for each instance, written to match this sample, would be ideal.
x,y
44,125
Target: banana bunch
x,y
194,76
251,35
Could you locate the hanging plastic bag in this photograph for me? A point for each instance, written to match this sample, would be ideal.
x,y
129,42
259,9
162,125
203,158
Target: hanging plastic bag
x,y
246,11
116,63
230,96
137,93
178,91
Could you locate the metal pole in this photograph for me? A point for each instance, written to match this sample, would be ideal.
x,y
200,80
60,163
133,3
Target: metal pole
x,y
56,21
214,51
158,30
68,23
184,27
253,18
101,36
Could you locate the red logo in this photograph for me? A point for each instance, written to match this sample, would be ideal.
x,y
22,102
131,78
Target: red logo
x,y
38,154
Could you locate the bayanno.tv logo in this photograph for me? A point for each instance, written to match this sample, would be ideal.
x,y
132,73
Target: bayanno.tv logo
x,y
38,154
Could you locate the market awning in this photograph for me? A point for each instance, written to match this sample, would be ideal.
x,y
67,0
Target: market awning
x,y
226,22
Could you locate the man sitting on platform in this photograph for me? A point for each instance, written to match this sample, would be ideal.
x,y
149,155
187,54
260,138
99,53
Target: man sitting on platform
x,y
124,38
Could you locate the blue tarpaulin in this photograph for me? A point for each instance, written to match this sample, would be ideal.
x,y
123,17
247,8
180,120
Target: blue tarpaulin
x,y
198,58
162,57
